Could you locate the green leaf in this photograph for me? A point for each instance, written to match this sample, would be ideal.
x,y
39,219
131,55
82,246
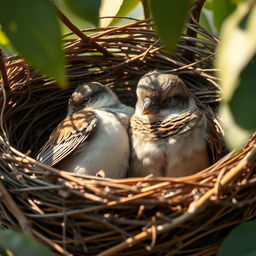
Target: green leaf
x,y
237,1
253,253
206,21
33,29
169,18
4,252
243,104
3,39
240,241
221,10
237,46
22,245
234,135
86,9
208,4
109,8
126,7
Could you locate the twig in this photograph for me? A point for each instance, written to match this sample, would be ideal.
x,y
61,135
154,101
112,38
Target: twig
x,y
80,34
195,13
5,87
196,10
52,244
138,57
119,17
3,72
14,209
146,9
146,234
194,208
63,174
112,31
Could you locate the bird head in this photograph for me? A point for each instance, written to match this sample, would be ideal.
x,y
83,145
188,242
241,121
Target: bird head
x,y
160,94
91,95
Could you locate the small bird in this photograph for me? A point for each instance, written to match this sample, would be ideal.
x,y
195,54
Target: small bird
x,y
168,131
94,135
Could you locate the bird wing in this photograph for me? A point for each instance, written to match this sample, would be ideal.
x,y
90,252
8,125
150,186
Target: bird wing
x,y
67,136
216,145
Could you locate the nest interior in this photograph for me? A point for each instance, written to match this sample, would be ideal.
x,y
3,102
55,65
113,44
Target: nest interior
x,y
82,215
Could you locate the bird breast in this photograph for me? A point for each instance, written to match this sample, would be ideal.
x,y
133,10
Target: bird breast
x,y
169,127
107,150
174,147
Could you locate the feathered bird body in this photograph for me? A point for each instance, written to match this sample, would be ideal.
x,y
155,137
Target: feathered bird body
x,y
168,131
163,148
93,137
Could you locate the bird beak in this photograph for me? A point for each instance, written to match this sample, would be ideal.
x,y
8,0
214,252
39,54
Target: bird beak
x,y
146,106
70,112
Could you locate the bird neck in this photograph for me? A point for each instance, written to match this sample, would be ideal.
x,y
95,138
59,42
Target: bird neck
x,y
119,108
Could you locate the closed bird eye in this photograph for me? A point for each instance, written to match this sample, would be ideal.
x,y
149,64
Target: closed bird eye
x,y
171,100
176,101
85,100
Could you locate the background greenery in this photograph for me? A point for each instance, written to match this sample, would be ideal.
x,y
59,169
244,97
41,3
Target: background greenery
x,y
32,29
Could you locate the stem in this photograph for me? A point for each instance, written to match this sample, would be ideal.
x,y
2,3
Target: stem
x,y
15,210
195,13
197,8
146,9
80,34
3,72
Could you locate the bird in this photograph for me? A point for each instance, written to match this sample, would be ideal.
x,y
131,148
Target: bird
x,y
168,131
93,137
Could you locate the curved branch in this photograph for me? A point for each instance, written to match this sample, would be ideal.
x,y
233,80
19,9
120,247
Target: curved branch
x,y
195,13
3,72
146,9
80,34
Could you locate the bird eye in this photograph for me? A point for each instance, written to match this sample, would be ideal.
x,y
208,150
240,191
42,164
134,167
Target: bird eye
x,y
85,100
177,101
169,100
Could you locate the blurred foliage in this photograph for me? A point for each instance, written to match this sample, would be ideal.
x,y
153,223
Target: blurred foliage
x,y
109,8
13,243
243,104
115,8
169,18
6,44
34,31
208,4
88,10
240,241
76,20
236,62
221,10
235,136
206,20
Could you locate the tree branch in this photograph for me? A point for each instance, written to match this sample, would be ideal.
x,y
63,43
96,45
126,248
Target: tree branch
x,y
80,34
3,72
15,210
195,13
146,9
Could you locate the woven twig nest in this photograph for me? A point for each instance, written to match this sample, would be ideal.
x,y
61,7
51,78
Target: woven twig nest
x,y
135,216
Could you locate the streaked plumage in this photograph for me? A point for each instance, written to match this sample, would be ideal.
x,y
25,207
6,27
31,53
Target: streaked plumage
x,y
93,137
168,131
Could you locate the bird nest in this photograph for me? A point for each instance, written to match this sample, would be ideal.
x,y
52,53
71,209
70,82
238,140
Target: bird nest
x,y
83,215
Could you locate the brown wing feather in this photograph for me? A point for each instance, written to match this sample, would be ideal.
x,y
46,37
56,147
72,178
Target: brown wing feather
x,y
67,136
216,144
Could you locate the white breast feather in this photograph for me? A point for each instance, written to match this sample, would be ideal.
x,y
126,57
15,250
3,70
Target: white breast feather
x,y
108,150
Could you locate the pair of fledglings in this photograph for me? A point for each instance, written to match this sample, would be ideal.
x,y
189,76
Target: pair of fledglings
x,y
165,136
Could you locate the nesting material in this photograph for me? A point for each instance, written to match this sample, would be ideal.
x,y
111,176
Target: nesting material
x,y
77,215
